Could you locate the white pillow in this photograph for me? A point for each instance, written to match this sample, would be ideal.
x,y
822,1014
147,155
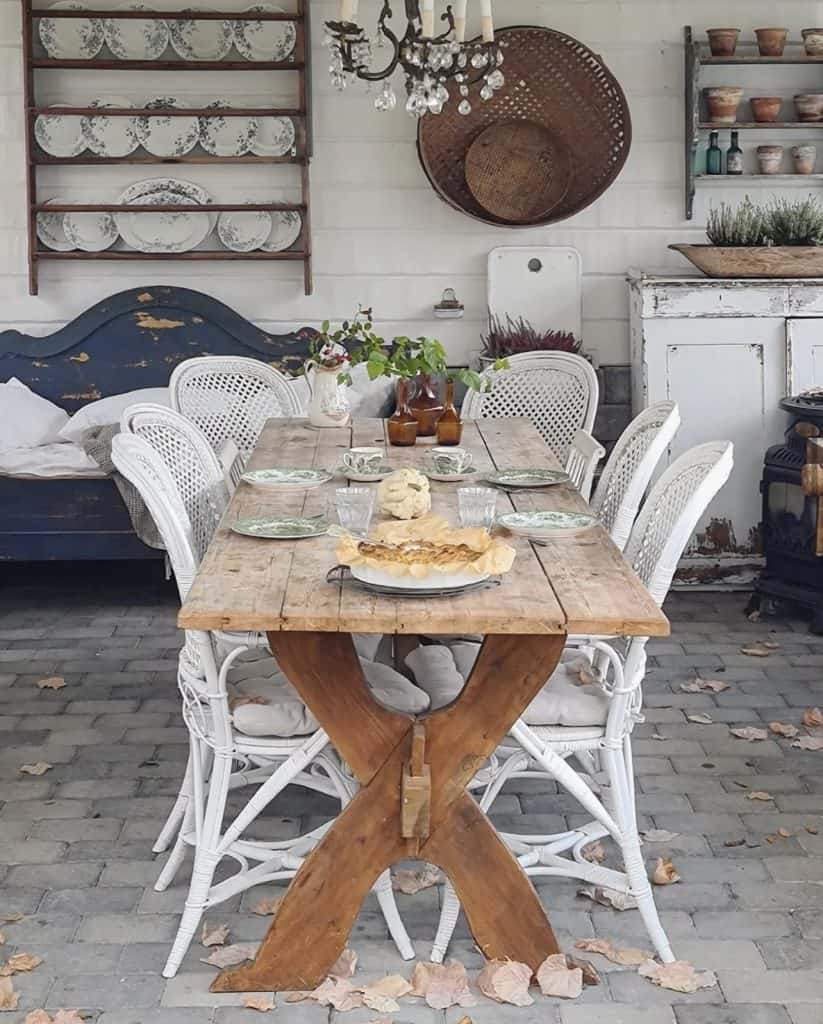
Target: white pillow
x,y
109,410
28,420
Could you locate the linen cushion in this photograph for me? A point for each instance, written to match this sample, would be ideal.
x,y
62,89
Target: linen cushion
x,y
109,410
27,420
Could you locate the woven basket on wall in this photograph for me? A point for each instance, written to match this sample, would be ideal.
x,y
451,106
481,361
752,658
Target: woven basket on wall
x,y
551,80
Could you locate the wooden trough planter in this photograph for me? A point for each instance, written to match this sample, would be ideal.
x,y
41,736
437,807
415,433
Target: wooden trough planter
x,y
755,261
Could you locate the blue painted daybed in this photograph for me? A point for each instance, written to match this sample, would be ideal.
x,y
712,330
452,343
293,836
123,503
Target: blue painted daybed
x,y
131,340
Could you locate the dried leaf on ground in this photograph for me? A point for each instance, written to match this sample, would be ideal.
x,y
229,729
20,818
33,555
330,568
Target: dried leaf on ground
x,y
266,907
38,768
11,918
808,743
442,985
555,978
594,852
626,957
8,997
701,719
463,1020
812,718
382,995
53,683
784,729
262,1005
665,873
411,882
339,993
772,645
785,833
297,997
345,965
758,650
657,736
37,1017
68,1017
735,842
658,835
679,976
240,702
230,956
20,962
2,939
757,794
608,897
506,981
214,934
754,616
750,733
705,686
590,973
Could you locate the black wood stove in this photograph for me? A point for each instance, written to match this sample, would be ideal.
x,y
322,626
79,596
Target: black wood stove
x,y
792,523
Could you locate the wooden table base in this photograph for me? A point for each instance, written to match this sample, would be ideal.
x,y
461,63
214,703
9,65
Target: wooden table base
x,y
388,820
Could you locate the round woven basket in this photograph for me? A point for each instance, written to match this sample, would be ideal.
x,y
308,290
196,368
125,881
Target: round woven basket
x,y
552,80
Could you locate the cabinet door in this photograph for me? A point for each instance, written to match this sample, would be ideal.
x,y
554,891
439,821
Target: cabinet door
x,y
727,376
805,341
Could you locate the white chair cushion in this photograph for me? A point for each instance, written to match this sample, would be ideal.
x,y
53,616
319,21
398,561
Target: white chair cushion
x,y
109,410
28,420
441,671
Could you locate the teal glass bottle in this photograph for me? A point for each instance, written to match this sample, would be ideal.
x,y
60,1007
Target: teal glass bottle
x,y
714,155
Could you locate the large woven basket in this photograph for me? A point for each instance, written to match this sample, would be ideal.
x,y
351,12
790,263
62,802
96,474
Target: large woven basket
x,y
552,80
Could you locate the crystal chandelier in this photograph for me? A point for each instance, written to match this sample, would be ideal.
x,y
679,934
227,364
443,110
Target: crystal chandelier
x,y
429,62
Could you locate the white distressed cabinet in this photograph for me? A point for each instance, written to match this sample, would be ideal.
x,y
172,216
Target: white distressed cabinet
x,y
726,352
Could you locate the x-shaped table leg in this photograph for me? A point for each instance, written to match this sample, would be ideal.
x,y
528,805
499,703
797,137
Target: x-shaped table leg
x,y
313,921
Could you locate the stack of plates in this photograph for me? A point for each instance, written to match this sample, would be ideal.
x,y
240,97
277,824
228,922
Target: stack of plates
x,y
64,232
164,232
544,524
247,230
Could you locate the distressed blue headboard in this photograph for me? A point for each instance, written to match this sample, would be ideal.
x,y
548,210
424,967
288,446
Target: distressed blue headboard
x,y
134,340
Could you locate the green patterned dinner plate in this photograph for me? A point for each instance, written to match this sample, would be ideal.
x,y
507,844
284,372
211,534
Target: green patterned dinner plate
x,y
528,477
282,527
287,479
546,523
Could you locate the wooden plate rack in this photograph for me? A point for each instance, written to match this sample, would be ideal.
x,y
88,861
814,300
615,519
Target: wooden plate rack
x,y
301,115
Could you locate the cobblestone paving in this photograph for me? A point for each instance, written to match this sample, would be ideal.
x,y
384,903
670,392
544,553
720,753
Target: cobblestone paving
x,y
75,843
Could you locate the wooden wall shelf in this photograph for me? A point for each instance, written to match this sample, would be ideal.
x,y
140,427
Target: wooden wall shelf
x,y
34,63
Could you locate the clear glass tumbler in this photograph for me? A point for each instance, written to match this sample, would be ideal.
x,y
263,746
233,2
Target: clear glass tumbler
x,y
355,507
477,506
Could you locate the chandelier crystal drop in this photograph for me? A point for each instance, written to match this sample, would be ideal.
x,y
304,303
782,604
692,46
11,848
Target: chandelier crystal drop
x,y
429,62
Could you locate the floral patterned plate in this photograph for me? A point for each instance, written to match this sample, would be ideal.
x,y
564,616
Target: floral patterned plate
x,y
60,134
546,523
50,229
227,136
167,136
110,136
528,477
164,232
286,228
71,38
91,232
244,230
282,527
195,39
134,38
274,136
265,40
287,479
366,478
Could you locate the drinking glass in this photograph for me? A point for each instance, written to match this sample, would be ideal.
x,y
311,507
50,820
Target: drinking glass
x,y
355,506
477,506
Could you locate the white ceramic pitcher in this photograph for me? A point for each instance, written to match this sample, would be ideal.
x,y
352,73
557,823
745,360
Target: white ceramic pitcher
x,y
328,401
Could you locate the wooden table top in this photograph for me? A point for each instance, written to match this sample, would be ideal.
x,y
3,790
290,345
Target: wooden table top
x,y
578,585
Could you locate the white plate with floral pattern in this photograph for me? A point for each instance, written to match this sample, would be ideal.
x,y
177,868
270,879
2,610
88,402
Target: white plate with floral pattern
x,y
164,232
136,38
286,226
265,40
274,136
71,38
91,232
110,136
60,134
546,523
282,527
167,136
50,229
222,135
528,478
244,230
287,479
201,39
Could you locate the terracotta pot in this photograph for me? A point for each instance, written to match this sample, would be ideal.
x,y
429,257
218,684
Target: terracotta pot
x,y
722,102
426,406
771,42
769,159
809,106
804,159
723,41
766,108
402,425
813,41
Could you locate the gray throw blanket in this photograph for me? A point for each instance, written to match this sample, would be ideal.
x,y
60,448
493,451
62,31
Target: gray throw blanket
x,y
96,442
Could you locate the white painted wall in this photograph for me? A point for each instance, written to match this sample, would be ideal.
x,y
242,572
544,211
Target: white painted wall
x,y
381,236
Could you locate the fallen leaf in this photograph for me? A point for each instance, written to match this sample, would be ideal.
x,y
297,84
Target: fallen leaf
x,y
665,872
11,918
507,981
230,956
68,1017
808,743
754,616
297,997
593,852
757,794
785,729
583,670
555,978
812,718
266,907
658,835
771,839
411,882
812,829
657,736
679,976
345,965
771,645
2,939
54,683
442,985
382,995
785,833
463,1020
262,1005
589,971
758,650
37,1017
38,768
8,997
240,702
705,686
627,957
608,897
735,842
750,733
339,993
20,962
214,934
701,719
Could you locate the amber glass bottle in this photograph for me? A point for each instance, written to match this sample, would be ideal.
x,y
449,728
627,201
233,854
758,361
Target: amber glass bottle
x,y
426,406
449,426
402,425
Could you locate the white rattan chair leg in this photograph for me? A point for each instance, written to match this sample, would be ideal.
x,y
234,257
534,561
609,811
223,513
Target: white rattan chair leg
x,y
176,815
449,913
385,897
178,853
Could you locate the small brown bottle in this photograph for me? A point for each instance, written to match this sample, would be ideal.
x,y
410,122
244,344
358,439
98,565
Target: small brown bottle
x,y
449,426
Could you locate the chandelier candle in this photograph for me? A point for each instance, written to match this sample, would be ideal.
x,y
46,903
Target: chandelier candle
x,y
486,21
460,21
427,17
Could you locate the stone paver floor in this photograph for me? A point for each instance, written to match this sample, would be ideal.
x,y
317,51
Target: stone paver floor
x,y
75,843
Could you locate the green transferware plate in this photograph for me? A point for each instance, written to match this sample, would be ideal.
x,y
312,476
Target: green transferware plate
x,y
293,479
282,527
528,477
546,522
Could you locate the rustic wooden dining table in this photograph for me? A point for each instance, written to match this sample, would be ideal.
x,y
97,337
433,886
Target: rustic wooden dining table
x,y
578,585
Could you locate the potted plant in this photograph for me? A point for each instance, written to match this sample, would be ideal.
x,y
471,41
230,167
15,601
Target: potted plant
x,y
783,239
509,337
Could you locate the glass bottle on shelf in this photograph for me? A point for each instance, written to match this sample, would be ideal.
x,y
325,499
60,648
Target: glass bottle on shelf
x,y
714,155
734,156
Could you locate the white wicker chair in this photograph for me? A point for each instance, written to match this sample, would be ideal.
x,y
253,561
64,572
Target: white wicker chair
x,y
557,391
216,746
631,464
658,539
230,398
585,454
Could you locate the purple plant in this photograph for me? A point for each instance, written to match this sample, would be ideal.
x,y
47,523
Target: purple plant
x,y
510,337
